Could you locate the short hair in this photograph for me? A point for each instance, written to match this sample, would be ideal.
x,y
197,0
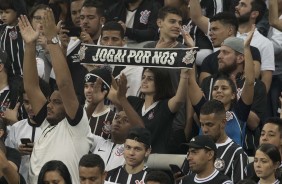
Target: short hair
x,y
158,176
92,160
18,6
168,9
260,6
227,19
113,26
55,165
276,121
100,9
163,84
213,106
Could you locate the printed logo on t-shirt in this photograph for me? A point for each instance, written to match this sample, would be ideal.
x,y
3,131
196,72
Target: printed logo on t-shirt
x,y
229,115
107,127
219,164
144,16
119,151
151,115
13,35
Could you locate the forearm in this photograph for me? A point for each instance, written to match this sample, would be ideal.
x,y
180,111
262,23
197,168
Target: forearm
x,y
132,115
197,17
266,78
253,121
30,74
273,12
194,91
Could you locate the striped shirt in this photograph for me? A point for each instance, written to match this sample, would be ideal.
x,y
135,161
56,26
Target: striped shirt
x,y
11,41
120,175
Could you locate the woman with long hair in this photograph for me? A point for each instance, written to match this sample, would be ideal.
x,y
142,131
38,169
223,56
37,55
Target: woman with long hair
x,y
54,170
266,164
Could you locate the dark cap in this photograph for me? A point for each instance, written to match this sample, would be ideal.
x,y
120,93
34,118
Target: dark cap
x,y
140,134
103,73
202,141
4,58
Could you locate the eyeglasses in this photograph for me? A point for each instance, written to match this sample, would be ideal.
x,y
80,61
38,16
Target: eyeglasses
x,y
37,18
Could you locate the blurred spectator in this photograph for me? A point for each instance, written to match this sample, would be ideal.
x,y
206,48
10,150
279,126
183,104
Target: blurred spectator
x,y
157,177
138,19
10,37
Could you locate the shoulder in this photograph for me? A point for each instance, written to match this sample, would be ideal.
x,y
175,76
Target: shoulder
x,y
150,45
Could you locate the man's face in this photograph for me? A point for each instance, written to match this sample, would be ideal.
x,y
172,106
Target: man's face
x,y
212,125
91,175
88,91
112,38
227,60
90,21
270,134
9,17
198,159
171,25
27,106
120,125
219,32
243,11
75,8
135,152
55,109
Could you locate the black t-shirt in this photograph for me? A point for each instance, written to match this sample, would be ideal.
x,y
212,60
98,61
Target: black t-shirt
x,y
210,63
158,121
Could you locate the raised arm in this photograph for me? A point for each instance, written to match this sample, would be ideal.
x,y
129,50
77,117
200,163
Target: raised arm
x,y
59,63
274,15
248,89
30,75
132,115
197,17
194,91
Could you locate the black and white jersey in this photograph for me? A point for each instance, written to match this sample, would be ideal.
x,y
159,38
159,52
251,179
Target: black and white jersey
x,y
215,178
231,160
120,175
4,100
100,123
11,41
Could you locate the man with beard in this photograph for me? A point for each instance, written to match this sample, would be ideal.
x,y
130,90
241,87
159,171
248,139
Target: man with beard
x,y
63,121
138,19
231,159
201,157
248,12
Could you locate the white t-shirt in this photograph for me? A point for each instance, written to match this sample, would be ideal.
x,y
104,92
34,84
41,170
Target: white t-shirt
x,y
60,142
111,153
22,129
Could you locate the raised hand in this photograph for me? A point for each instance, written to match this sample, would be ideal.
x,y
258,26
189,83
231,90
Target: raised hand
x,y
29,35
187,39
49,25
248,40
122,87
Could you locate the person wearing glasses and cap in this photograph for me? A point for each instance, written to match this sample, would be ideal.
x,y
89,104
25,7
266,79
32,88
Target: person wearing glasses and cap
x,y
201,157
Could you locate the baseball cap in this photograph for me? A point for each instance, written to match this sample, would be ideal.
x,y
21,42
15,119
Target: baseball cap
x,y
4,58
102,73
202,142
140,134
234,43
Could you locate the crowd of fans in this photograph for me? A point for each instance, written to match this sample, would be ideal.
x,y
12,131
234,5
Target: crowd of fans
x,y
62,121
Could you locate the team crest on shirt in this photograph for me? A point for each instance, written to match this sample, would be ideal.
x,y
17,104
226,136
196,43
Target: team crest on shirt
x,y
13,35
119,151
144,16
229,115
219,164
151,115
107,127
82,52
